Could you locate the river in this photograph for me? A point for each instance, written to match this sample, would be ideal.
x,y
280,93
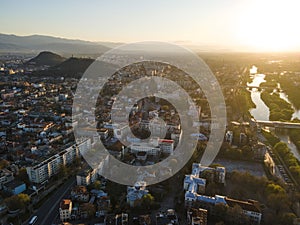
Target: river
x,y
261,112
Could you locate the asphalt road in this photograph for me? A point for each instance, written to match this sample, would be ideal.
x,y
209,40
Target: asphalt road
x,y
49,210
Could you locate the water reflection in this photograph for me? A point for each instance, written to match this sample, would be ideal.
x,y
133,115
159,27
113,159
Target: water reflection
x,y
296,114
261,112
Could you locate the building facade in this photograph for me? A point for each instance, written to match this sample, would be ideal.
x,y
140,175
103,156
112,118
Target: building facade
x,y
65,209
46,169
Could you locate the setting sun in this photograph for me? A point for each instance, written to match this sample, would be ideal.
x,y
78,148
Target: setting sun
x,y
268,25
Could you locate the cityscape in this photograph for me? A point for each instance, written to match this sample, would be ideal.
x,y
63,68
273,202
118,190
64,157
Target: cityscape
x,y
155,133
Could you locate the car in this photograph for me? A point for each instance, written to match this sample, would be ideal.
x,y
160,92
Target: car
x,y
33,220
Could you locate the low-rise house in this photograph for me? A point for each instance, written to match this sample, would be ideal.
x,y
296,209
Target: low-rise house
x,y
65,209
136,193
197,216
122,219
167,218
80,193
5,176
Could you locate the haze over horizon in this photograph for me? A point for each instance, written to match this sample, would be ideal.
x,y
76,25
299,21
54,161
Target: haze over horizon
x,y
234,25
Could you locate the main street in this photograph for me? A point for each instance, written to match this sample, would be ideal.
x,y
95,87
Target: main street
x,y
49,209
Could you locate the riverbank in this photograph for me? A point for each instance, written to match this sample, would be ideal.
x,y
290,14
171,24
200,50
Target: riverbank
x,y
278,107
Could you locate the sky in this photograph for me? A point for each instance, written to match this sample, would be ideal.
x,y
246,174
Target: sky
x,y
262,25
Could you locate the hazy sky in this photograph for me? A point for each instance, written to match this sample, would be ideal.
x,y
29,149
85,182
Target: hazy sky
x,y
214,22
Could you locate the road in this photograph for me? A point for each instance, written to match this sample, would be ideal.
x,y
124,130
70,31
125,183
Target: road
x,y
49,210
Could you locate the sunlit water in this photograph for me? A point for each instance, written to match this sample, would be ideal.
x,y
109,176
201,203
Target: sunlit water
x,y
261,112
296,114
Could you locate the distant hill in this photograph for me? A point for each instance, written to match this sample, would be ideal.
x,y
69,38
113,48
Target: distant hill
x,y
75,67
46,59
38,43
72,66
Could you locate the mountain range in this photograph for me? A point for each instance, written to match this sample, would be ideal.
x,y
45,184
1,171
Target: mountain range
x,y
37,43
10,43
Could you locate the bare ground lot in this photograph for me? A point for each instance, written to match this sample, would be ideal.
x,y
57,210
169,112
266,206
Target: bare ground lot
x,y
253,168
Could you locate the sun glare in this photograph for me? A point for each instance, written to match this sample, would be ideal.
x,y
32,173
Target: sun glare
x,y
270,25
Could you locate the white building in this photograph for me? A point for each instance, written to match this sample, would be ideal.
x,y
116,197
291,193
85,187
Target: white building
x,y
194,184
250,208
167,146
65,209
147,148
154,147
218,174
46,169
87,177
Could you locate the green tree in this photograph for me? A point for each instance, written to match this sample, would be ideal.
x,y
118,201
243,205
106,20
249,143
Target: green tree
x,y
274,189
281,148
24,198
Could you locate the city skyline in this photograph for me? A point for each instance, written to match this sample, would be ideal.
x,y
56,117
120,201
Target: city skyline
x,y
233,25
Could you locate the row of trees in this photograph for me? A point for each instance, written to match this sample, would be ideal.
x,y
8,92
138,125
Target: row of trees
x,y
295,137
273,196
290,86
240,103
290,160
17,202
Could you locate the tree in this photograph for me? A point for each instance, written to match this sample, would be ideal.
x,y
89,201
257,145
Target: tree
x,y
24,198
236,216
63,172
220,211
287,218
14,203
77,161
274,189
89,209
23,176
96,185
147,201
212,189
220,223
278,202
247,152
281,148
3,163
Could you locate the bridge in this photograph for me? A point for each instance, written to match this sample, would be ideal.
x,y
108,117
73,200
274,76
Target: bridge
x,y
278,124
249,87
